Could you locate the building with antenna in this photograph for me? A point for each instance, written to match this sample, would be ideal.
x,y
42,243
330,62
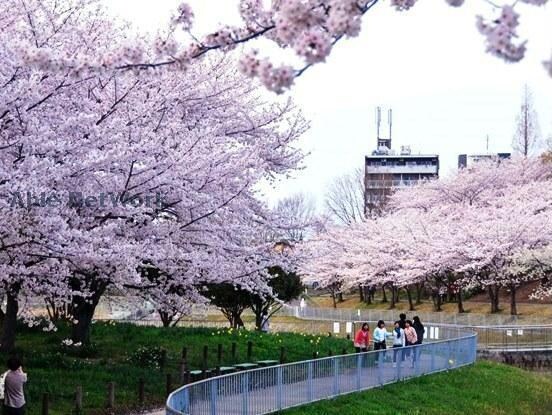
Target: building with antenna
x,y
465,160
386,170
469,159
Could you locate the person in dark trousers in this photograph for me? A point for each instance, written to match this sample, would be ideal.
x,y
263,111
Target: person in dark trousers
x,y
420,331
411,340
380,336
14,398
399,341
402,321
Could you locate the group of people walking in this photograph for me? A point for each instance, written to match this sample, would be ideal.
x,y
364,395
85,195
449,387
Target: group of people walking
x,y
405,333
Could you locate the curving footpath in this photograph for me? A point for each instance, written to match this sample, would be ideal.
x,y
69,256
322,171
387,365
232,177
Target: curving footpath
x,y
267,390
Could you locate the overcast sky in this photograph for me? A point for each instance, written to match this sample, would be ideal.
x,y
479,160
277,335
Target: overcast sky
x,y
428,64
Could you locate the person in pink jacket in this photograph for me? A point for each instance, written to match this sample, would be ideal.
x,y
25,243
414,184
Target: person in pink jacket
x,y
411,339
362,338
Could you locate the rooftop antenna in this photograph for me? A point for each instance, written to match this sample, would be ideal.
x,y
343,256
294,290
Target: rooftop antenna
x,y
390,121
378,121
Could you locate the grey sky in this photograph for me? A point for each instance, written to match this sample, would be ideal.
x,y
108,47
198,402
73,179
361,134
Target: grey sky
x,y
428,64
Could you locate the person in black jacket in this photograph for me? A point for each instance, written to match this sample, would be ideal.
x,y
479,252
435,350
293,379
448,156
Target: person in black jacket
x,y
420,330
402,321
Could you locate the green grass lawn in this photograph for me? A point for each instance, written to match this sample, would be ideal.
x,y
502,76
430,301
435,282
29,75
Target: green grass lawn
x,y
483,389
58,370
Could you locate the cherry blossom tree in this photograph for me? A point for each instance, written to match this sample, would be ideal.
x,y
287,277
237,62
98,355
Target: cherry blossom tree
x,y
465,231
126,173
311,29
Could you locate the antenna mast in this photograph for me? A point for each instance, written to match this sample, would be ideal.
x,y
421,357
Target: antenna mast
x,y
390,121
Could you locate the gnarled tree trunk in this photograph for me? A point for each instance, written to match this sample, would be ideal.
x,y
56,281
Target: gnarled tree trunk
x,y
460,296
410,302
7,341
513,303
494,291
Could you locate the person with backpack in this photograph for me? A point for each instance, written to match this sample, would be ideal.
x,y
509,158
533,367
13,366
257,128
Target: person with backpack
x,y
399,341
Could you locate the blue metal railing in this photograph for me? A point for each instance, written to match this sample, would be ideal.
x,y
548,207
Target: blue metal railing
x,y
271,389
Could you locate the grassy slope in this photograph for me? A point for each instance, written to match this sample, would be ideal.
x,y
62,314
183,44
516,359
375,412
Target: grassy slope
x,y
52,369
483,389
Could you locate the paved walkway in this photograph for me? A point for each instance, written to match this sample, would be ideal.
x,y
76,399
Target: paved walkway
x,y
266,396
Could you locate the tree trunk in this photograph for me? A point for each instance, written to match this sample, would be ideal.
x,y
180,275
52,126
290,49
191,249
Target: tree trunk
x,y
513,303
419,288
397,295
83,313
383,293
340,297
7,342
450,294
361,292
334,299
410,302
494,292
460,301
367,295
437,300
166,318
393,298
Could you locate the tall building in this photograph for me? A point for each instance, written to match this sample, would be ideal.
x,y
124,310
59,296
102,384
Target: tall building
x,y
386,170
465,160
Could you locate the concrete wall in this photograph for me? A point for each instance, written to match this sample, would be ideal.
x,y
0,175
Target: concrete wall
x,y
539,360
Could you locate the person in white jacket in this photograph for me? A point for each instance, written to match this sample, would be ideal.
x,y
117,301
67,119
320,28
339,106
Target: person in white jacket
x,y
399,341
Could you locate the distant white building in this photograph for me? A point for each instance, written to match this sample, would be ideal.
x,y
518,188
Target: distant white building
x,y
465,160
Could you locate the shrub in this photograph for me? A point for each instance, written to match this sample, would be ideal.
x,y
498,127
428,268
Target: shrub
x,y
150,356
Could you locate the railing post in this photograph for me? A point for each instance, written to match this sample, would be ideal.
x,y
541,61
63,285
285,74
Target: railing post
x,y
245,394
214,387
310,386
336,376
433,347
399,363
381,358
279,382
359,369
186,401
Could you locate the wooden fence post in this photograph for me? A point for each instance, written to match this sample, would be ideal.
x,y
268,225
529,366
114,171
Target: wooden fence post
x,y
141,391
78,400
45,403
204,362
183,370
249,350
282,355
330,353
219,355
169,384
111,395
234,352
163,362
